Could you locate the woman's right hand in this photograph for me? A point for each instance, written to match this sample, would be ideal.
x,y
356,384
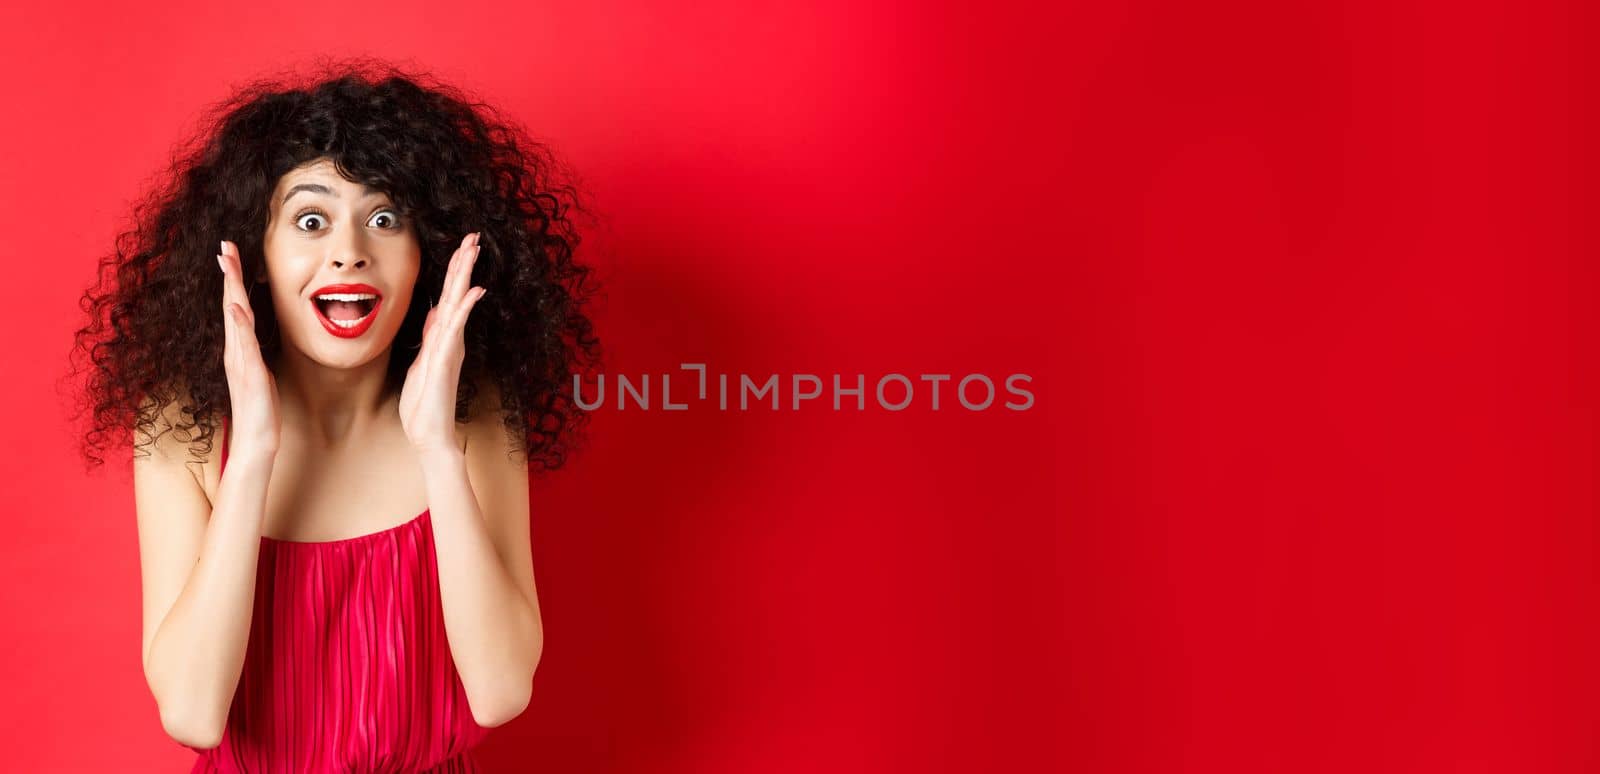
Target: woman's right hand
x,y
251,386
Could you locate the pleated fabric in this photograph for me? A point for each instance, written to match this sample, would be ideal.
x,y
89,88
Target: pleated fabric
x,y
348,668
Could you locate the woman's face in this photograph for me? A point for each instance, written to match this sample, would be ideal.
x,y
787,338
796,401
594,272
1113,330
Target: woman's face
x,y
327,235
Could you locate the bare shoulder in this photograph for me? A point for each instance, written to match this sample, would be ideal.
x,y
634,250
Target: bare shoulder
x,y
170,439
487,408
486,427
488,398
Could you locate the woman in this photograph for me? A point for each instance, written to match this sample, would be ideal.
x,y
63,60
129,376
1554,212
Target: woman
x,y
400,314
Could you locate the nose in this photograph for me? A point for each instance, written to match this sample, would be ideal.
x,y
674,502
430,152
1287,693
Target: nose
x,y
349,252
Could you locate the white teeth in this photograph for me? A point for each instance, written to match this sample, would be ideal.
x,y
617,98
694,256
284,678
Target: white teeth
x,y
347,297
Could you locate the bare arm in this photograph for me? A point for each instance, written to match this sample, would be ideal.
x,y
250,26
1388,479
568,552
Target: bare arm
x,y
479,502
198,558
198,566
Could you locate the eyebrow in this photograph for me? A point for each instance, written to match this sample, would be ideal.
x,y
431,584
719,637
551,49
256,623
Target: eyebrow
x,y
366,190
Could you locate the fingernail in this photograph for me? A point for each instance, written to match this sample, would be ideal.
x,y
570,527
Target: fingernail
x,y
223,264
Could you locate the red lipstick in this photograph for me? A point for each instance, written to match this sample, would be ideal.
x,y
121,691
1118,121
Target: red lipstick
x,y
346,329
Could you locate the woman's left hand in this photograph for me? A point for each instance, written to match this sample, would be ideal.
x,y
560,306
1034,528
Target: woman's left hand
x,y
428,398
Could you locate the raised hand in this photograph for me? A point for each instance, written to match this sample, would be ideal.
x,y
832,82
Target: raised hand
x,y
428,398
253,390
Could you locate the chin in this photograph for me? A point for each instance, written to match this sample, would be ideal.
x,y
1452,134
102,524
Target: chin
x,y
331,352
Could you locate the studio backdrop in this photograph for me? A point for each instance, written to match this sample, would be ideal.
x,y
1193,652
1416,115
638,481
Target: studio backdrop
x,y
999,387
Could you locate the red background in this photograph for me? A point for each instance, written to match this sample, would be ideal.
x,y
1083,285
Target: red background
x,y
1309,480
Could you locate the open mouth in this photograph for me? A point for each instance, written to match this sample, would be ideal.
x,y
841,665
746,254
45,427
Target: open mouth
x,y
347,314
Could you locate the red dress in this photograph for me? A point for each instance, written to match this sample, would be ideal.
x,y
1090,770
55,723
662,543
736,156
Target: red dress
x,y
348,668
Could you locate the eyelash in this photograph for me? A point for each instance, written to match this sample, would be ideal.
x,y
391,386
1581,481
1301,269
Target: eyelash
x,y
319,213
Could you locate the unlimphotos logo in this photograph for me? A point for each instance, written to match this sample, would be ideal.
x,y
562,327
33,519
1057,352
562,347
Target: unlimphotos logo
x,y
893,392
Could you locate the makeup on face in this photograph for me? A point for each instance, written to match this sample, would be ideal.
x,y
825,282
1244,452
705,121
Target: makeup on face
x,y
345,239
346,310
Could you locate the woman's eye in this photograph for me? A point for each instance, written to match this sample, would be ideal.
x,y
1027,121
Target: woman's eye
x,y
385,219
311,221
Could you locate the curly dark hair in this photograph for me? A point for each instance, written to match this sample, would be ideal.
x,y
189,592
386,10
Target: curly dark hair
x,y
450,163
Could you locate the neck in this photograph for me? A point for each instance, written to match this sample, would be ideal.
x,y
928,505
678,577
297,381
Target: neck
x,y
332,405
